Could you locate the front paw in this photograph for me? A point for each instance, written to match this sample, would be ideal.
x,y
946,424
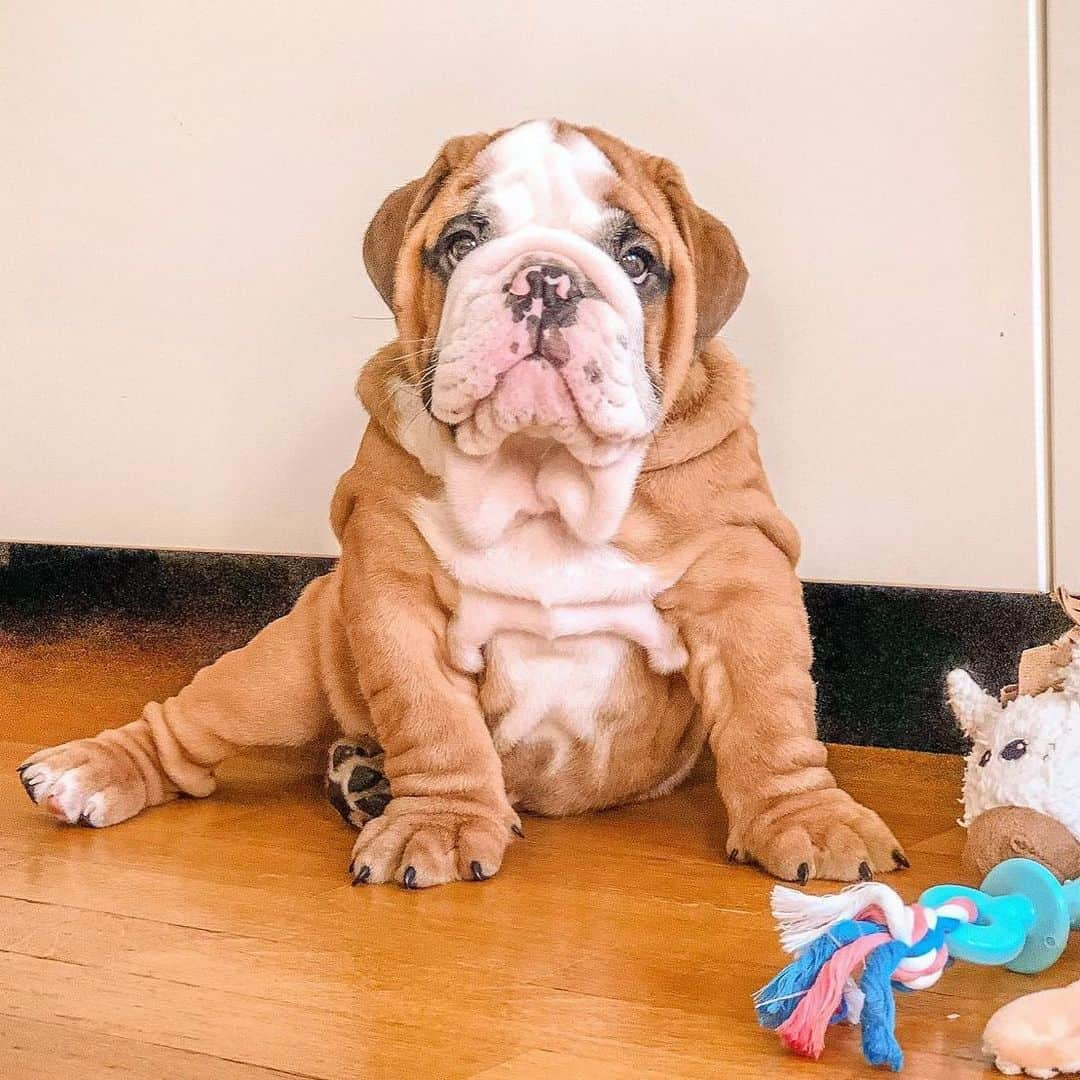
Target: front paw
x,y
820,834
422,841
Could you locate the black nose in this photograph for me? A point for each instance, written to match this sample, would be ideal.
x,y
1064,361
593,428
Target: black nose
x,y
550,284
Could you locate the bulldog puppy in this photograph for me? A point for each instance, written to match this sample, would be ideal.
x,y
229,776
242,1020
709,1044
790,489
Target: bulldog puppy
x,y
562,570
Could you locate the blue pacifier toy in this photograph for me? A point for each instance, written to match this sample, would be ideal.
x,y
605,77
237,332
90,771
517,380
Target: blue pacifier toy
x,y
1024,917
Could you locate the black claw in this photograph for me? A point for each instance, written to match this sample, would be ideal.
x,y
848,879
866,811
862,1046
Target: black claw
x,y
84,819
409,877
362,875
865,872
517,830
27,786
803,873
733,855
901,860
477,871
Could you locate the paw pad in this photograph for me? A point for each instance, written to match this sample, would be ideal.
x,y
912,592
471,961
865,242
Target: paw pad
x,y
355,784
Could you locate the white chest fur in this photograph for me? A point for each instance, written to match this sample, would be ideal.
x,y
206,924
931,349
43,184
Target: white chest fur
x,y
544,594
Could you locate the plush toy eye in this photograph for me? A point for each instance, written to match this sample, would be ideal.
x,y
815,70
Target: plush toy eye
x,y
1014,750
637,262
985,758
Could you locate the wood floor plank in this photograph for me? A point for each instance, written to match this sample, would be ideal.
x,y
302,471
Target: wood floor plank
x,y
543,1064
220,938
35,1050
234,1027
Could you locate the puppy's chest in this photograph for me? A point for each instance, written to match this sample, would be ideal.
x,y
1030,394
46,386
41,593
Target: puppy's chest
x,y
547,621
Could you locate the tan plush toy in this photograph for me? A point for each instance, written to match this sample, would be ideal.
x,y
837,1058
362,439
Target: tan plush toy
x,y
1022,777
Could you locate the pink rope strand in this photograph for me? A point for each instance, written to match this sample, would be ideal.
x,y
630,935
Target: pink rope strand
x,y
804,1031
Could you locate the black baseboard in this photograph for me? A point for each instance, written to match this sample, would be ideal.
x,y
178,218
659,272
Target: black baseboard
x,y
881,653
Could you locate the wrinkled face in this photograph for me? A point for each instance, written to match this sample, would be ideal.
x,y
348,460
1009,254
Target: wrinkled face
x,y
547,289
550,281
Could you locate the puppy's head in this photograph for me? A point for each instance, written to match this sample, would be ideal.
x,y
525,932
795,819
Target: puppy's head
x,y
551,281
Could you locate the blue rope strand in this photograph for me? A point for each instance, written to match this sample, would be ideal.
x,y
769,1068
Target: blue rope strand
x,y
879,1012
778,999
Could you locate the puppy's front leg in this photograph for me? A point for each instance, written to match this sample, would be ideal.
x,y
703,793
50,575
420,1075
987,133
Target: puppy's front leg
x,y
449,817
742,617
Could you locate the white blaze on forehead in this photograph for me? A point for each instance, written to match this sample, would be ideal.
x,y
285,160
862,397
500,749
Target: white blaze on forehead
x,y
534,178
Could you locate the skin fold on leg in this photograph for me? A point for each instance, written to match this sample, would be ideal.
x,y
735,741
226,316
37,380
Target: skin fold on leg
x,y
284,688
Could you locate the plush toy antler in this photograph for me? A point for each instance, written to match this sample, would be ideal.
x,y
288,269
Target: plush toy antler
x,y
1070,682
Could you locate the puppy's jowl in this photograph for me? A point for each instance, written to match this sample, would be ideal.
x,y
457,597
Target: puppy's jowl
x,y
562,570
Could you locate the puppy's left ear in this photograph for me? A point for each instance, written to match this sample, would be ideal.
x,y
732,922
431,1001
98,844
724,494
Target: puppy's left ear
x,y
719,270
403,208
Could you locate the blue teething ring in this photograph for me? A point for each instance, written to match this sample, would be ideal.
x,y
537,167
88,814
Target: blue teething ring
x,y
1024,917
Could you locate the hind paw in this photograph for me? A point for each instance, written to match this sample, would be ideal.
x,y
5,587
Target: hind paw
x,y
355,784
85,782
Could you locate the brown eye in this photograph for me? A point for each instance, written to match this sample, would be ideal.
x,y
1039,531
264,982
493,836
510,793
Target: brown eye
x,y
459,245
460,236
636,263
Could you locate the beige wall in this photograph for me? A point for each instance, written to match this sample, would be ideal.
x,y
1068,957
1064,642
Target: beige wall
x,y
1063,64
184,187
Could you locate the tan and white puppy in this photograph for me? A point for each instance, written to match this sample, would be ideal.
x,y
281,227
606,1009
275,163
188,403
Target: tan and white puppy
x,y
562,569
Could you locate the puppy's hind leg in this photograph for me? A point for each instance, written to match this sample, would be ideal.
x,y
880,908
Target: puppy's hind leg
x,y
281,689
356,781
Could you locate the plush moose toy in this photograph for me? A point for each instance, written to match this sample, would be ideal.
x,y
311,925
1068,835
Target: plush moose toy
x,y
1022,778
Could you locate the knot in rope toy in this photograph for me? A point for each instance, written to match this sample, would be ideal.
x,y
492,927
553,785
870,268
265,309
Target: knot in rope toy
x,y
1020,918
869,927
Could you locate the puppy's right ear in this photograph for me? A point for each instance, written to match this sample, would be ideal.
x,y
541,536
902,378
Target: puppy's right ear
x,y
403,208
384,236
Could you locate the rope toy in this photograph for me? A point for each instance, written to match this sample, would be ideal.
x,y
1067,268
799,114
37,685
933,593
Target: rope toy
x,y
1020,918
866,926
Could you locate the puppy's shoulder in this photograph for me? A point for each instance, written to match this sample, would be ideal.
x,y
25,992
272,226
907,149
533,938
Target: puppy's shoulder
x,y
709,476
384,477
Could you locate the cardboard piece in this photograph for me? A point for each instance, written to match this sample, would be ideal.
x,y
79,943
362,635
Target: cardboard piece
x,y
1040,667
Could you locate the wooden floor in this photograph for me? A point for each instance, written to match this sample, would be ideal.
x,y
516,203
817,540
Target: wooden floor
x,y
221,938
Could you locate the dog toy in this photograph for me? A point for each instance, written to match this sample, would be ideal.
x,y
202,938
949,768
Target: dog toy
x,y
1021,779
1020,918
1038,1033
